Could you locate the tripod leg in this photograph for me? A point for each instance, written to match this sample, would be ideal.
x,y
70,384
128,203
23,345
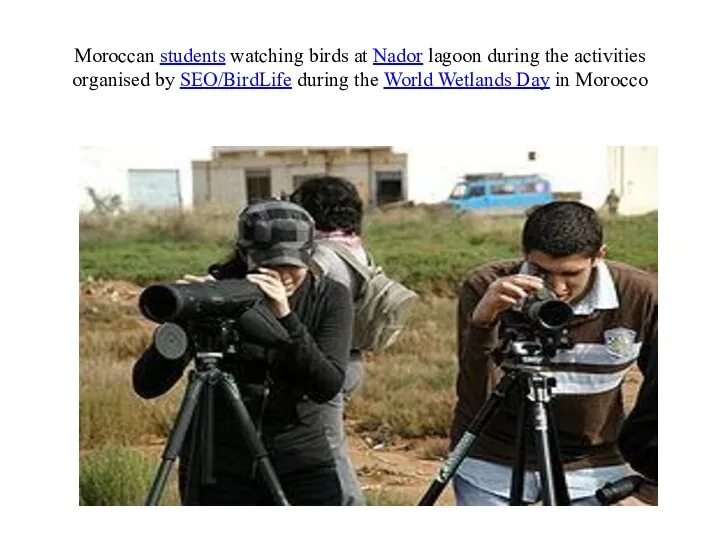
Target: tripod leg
x,y
253,442
208,434
466,443
561,489
552,475
542,446
191,485
517,489
177,435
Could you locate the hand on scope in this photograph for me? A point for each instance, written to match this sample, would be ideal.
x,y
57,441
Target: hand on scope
x,y
188,278
502,294
270,283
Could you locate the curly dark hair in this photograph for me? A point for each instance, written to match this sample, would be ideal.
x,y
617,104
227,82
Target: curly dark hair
x,y
563,228
333,202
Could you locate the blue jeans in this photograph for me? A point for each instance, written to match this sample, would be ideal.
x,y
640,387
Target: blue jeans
x,y
332,413
484,483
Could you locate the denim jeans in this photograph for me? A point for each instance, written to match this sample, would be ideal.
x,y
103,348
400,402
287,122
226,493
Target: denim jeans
x,y
332,413
484,483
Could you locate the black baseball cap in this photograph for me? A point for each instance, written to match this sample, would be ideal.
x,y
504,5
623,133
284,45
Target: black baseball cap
x,y
276,233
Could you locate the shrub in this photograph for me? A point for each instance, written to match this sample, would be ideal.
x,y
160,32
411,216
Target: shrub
x,y
118,476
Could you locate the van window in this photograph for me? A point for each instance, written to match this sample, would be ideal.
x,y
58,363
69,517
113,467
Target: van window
x,y
502,189
477,191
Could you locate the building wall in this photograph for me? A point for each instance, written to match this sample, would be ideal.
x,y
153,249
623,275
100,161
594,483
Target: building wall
x,y
200,177
228,183
225,173
105,168
633,173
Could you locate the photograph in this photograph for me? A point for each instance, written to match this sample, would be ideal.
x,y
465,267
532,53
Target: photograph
x,y
435,323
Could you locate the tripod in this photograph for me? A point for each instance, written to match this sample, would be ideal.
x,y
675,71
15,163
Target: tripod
x,y
202,381
523,369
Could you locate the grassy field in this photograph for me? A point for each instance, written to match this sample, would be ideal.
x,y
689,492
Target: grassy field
x,y
428,248
408,392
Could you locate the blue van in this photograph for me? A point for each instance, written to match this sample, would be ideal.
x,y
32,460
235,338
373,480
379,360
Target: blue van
x,y
499,194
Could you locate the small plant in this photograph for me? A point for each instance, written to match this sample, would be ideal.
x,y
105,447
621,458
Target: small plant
x,y
115,476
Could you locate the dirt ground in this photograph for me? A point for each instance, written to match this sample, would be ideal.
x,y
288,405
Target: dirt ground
x,y
396,471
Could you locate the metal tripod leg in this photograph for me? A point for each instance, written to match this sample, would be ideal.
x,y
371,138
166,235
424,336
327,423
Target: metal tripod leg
x,y
552,476
467,442
561,489
517,486
177,435
207,430
252,441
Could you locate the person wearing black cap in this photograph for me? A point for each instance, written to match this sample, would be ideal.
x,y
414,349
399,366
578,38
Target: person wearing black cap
x,y
274,249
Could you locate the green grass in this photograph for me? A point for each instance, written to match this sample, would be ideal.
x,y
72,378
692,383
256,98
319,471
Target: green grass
x,y
143,261
634,240
117,476
430,250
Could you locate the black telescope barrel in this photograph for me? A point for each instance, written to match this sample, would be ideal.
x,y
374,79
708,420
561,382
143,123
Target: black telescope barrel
x,y
168,302
160,303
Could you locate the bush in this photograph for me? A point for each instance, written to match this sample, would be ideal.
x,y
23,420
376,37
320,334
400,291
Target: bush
x,y
117,476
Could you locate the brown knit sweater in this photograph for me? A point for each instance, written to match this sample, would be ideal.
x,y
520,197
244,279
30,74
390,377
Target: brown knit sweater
x,y
587,403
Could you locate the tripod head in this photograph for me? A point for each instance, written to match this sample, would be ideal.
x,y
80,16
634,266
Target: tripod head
x,y
524,342
214,316
220,335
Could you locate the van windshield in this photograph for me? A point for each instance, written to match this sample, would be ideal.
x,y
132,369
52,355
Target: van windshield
x,y
459,191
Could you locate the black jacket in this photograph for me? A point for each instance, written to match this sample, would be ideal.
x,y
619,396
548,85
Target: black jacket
x,y
310,371
638,439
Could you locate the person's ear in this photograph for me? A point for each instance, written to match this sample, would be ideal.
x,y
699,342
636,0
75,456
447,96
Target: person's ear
x,y
601,253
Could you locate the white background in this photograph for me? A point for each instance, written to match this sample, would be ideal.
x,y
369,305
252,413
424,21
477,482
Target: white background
x,y
45,119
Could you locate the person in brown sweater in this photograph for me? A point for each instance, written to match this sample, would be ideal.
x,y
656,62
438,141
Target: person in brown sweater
x,y
614,321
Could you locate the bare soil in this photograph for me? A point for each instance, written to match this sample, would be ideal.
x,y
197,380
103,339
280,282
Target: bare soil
x,y
396,469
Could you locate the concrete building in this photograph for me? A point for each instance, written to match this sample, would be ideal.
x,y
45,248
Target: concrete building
x,y
238,174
